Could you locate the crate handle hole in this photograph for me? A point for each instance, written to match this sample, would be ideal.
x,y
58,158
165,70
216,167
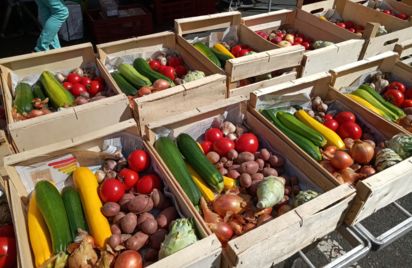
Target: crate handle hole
x,y
389,42
317,10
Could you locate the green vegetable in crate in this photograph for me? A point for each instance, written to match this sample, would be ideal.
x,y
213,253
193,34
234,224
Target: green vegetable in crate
x,y
304,196
193,75
74,210
401,144
23,98
143,67
124,86
321,44
181,235
364,94
58,95
393,108
133,76
38,91
205,50
51,206
386,158
199,162
270,191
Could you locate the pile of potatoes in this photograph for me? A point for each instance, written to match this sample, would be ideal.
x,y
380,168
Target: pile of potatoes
x,y
140,222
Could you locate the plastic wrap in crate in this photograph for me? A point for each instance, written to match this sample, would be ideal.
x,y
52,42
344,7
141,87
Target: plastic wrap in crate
x,y
133,20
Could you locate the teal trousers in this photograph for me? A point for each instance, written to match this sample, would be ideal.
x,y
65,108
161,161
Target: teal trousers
x,y
52,14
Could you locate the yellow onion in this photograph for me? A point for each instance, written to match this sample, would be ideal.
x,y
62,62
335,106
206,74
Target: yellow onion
x,y
362,152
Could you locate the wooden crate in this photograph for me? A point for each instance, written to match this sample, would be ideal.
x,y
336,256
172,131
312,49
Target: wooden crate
x,y
204,253
404,50
344,51
272,242
389,61
69,122
174,100
399,30
397,5
269,57
372,193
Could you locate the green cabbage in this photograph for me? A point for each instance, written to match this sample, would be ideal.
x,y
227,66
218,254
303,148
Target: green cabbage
x,y
401,144
304,196
193,75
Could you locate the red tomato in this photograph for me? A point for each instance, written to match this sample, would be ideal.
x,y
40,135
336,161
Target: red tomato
x,y
129,177
111,190
206,146
138,160
345,116
332,124
387,11
68,85
341,24
306,45
73,78
349,129
407,103
147,183
328,116
78,89
8,253
94,88
174,61
223,146
235,50
402,16
7,230
352,30
85,81
168,71
181,70
243,52
298,40
213,134
247,142
349,24
154,64
101,80
408,93
394,96
397,85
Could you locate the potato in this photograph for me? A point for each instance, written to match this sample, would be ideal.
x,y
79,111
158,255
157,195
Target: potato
x,y
160,201
232,155
228,164
257,176
115,240
223,160
261,164
245,180
245,157
151,254
110,209
235,167
223,171
166,216
143,217
125,199
408,110
264,154
137,241
128,223
276,161
157,238
118,217
149,226
250,167
139,204
269,172
233,174
115,229
213,157
253,188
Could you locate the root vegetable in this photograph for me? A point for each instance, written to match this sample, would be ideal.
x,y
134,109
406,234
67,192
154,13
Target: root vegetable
x,y
263,219
329,152
166,217
362,152
231,136
341,160
159,199
81,100
224,160
157,238
265,154
367,170
228,127
248,226
140,204
151,254
253,188
223,171
235,167
245,180
143,217
245,157
118,217
261,164
109,164
128,223
228,164
232,155
348,143
350,176
233,174
145,90
115,229
137,241
213,157
128,259
222,230
236,226
100,175
283,209
110,209
161,84
270,172
276,161
115,240
149,226
208,215
250,167
270,192
327,165
257,176
229,203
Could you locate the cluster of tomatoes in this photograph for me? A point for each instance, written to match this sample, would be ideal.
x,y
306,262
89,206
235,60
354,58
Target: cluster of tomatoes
x,y
284,38
241,50
81,85
8,251
344,123
398,95
351,27
172,68
401,16
128,179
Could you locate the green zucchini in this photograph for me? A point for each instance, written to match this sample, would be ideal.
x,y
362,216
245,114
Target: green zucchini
x,y
51,206
199,162
74,210
301,141
364,94
124,86
23,98
393,108
58,95
38,91
172,157
143,67
205,50
133,76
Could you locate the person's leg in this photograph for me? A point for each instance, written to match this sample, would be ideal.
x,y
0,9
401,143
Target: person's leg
x,y
58,14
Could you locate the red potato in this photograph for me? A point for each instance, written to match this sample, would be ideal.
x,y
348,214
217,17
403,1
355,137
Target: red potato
x,y
269,172
257,176
110,209
115,229
157,238
250,167
149,226
159,199
128,223
234,174
137,241
139,204
151,254
118,217
115,240
276,161
245,157
245,180
143,217
166,217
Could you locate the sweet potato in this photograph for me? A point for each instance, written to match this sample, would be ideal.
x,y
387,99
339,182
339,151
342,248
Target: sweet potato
x,y
166,216
137,241
139,204
110,209
128,223
157,238
250,167
149,226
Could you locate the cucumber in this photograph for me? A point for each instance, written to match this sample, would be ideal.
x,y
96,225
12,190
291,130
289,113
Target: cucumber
x,y
292,123
38,91
172,157
23,98
393,108
74,210
133,76
58,95
199,162
301,141
205,50
143,67
51,206
124,86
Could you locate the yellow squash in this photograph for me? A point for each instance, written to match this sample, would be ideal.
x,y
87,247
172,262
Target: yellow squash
x,y
38,234
365,104
229,183
206,192
222,49
86,182
329,134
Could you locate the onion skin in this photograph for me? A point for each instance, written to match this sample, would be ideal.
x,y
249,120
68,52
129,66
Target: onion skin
x,y
222,230
350,176
128,259
341,160
362,152
231,203
161,84
367,170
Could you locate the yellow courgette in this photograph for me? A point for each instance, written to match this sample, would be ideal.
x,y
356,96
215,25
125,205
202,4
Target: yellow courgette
x,y
222,49
229,183
206,192
366,104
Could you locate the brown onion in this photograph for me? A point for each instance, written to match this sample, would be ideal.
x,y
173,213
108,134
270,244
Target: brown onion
x,y
371,142
341,160
128,259
348,143
161,84
329,151
145,90
367,170
222,230
350,176
228,203
362,152
208,215
327,165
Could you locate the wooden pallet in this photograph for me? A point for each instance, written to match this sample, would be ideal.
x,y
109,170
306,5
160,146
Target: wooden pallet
x,y
344,51
404,50
67,123
174,100
373,193
205,253
268,58
273,238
